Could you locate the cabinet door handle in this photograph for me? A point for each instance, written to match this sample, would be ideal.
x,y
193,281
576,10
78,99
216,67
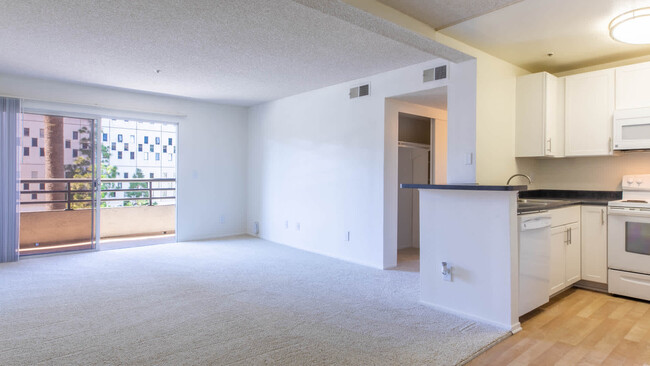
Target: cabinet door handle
x,y
602,216
566,236
550,145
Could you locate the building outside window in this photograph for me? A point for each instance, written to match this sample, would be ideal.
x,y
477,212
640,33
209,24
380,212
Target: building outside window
x,y
157,140
34,142
151,148
75,135
140,147
132,139
26,151
42,151
119,138
26,132
164,148
126,146
119,155
67,144
75,153
146,156
146,139
132,155
157,156
41,133
113,146
126,175
104,137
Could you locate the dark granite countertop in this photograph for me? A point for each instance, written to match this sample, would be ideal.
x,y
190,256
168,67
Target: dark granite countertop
x,y
597,198
465,187
564,198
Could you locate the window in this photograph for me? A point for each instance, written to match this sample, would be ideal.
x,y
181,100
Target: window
x,y
67,144
25,186
126,146
42,152
41,133
126,175
170,157
169,141
113,146
157,140
34,196
119,155
164,148
146,156
140,147
25,151
111,194
119,138
104,137
132,139
75,135
132,155
34,142
75,153
119,185
146,139
84,146
157,156
41,186
151,148
151,175
25,131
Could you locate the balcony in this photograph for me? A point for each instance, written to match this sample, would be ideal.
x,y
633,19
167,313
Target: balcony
x,y
58,215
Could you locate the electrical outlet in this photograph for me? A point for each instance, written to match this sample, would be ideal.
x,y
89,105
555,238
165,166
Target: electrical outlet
x,y
256,228
446,271
297,226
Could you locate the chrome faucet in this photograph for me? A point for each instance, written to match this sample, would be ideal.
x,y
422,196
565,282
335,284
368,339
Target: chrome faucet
x,y
519,175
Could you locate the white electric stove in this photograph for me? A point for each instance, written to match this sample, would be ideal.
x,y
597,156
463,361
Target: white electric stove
x,y
629,239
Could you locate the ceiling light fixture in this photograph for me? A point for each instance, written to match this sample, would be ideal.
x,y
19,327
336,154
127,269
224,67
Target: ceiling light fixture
x,y
631,27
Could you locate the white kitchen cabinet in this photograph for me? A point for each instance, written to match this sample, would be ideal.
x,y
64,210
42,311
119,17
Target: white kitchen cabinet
x,y
565,261
589,108
633,86
594,243
539,127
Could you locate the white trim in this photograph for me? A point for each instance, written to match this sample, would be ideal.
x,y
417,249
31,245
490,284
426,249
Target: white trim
x,y
514,328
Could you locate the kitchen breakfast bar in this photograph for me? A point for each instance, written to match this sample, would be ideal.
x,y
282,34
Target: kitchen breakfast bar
x,y
473,229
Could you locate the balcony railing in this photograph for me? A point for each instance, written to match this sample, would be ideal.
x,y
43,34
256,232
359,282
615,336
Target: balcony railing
x,y
75,192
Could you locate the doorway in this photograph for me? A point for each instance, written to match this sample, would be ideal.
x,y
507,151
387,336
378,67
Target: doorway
x,y
57,184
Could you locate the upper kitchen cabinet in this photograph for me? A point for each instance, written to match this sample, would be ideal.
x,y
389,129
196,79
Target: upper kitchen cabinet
x,y
633,86
588,113
539,128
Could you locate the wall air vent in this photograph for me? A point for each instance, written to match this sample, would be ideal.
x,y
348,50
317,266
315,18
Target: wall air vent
x,y
360,91
436,73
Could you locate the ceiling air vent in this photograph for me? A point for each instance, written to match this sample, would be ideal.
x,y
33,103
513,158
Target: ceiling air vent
x,y
360,91
436,73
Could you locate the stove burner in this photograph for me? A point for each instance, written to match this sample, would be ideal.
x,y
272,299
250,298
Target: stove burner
x,y
636,201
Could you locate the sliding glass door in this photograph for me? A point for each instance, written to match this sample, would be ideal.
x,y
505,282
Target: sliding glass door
x,y
58,188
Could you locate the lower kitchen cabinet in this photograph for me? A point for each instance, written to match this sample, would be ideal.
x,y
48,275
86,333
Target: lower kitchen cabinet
x,y
594,243
565,261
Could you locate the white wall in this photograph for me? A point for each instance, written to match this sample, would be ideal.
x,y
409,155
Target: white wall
x,y
495,99
211,154
318,159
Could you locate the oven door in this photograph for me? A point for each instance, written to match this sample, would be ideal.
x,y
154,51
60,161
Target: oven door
x,y
629,239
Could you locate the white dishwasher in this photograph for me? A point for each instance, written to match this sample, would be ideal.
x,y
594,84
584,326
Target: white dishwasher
x,y
534,260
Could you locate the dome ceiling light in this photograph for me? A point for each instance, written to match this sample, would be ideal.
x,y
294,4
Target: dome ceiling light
x,y
631,27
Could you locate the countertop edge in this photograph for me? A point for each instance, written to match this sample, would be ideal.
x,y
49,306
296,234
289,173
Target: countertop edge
x,y
464,187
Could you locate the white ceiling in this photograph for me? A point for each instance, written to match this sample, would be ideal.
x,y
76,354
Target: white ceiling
x,y
576,31
435,98
443,13
239,52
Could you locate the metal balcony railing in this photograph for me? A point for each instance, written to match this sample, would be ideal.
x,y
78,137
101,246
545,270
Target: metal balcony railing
x,y
79,190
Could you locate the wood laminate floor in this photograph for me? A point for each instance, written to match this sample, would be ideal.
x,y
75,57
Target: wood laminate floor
x,y
578,327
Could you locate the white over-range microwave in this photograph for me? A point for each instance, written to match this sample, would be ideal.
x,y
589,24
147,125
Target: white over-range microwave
x,y
632,129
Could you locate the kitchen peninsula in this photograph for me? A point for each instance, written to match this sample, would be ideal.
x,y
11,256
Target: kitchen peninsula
x,y
473,228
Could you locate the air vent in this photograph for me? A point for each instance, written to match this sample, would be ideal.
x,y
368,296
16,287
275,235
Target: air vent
x,y
436,73
360,91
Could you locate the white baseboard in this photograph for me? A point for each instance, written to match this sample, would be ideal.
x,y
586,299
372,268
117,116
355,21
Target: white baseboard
x,y
513,328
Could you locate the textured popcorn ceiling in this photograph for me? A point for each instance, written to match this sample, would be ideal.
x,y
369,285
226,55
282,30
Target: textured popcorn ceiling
x,y
242,52
443,13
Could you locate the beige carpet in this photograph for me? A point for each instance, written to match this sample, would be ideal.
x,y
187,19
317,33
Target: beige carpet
x,y
240,301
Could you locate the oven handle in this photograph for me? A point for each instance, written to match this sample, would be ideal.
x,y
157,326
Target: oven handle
x,y
616,212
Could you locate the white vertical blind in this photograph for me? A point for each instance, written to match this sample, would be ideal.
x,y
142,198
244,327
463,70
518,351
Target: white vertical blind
x,y
9,179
